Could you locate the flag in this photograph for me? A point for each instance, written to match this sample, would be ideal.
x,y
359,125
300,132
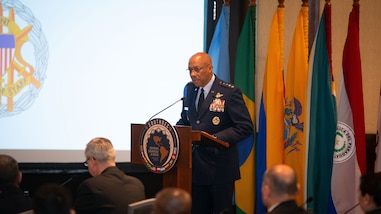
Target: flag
x,y
377,164
260,158
321,122
219,46
296,87
271,118
350,147
244,79
7,50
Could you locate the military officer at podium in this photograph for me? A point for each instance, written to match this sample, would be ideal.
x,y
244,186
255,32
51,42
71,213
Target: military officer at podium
x,y
218,108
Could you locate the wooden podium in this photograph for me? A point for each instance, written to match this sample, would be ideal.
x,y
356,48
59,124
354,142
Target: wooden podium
x,y
181,173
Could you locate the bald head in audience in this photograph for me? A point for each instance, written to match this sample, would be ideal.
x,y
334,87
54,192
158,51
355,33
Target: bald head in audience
x,y
172,201
279,188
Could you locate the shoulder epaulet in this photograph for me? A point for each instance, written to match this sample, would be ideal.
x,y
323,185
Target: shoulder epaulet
x,y
226,84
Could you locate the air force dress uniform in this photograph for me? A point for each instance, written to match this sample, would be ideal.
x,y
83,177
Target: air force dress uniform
x,y
223,114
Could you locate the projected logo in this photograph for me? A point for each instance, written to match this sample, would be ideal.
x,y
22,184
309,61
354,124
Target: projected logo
x,y
23,58
159,145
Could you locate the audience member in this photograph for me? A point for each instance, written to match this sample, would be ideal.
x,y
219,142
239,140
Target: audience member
x,y
172,200
53,199
369,193
279,188
110,190
12,198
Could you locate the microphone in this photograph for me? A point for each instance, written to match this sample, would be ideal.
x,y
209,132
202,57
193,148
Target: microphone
x,y
67,181
308,200
350,209
166,108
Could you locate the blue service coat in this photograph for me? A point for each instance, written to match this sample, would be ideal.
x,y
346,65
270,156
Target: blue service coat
x,y
224,115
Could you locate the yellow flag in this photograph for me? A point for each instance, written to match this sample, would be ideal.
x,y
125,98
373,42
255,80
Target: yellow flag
x,y
296,88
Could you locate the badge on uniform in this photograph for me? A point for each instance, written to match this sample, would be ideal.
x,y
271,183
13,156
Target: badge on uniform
x,y
217,105
216,120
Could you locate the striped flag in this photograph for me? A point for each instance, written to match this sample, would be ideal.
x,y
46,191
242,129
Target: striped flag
x,y
219,46
244,79
270,146
377,164
321,122
7,46
296,87
350,147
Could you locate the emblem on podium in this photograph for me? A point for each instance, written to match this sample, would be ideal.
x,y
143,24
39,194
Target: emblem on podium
x,y
159,145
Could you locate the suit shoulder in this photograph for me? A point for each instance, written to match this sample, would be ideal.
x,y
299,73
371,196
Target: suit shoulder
x,y
190,85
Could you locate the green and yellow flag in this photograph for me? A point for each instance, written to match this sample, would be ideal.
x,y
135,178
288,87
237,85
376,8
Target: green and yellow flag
x,y
244,79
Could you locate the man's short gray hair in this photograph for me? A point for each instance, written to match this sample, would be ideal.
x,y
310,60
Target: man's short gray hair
x,y
100,149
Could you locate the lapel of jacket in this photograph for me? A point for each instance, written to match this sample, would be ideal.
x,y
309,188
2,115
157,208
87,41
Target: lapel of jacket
x,y
192,105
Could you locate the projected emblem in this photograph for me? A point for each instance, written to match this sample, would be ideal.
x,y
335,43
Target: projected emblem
x,y
159,145
23,58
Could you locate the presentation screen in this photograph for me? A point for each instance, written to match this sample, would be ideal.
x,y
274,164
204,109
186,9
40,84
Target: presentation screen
x,y
74,70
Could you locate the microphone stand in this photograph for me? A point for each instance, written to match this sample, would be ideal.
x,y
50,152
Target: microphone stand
x,y
166,108
67,181
309,199
352,208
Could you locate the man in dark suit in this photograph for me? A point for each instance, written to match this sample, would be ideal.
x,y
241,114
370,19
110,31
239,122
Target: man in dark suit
x,y
279,188
110,190
12,198
221,112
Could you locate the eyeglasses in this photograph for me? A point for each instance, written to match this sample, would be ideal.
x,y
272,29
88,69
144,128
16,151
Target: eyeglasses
x,y
85,163
197,69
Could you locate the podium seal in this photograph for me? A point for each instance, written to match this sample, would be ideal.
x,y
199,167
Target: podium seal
x,y
159,145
